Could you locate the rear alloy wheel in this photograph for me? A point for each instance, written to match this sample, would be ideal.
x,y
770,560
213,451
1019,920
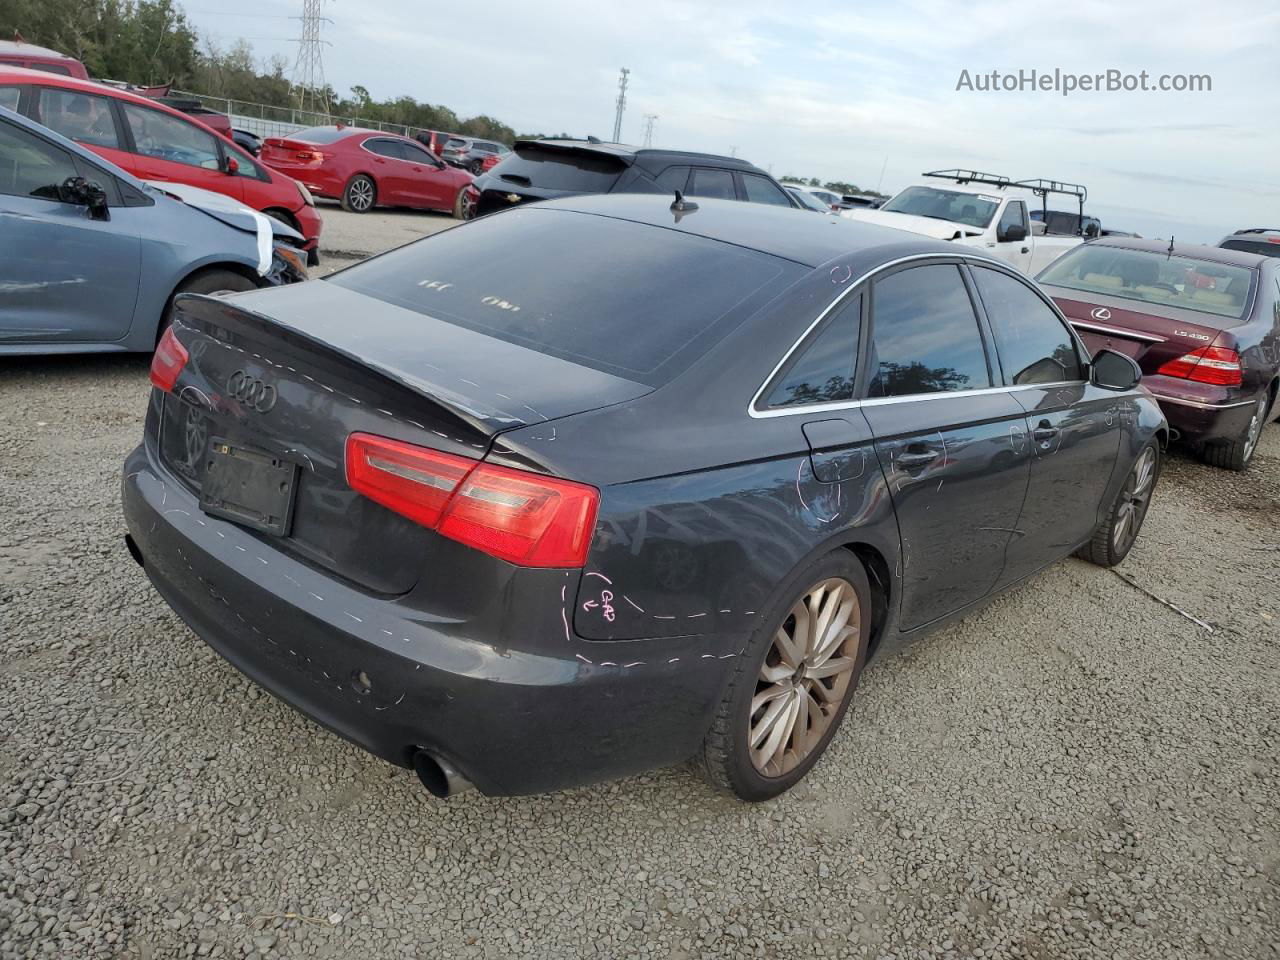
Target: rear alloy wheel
x,y
1114,538
1236,454
361,194
793,685
463,208
477,167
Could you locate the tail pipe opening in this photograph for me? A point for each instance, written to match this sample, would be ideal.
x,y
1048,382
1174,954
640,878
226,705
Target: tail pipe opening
x,y
439,776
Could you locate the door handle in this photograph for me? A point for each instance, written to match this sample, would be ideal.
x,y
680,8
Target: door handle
x,y
1045,431
1026,249
911,460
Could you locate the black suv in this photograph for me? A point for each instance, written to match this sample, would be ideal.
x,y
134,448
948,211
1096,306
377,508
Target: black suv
x,y
469,154
543,169
1263,240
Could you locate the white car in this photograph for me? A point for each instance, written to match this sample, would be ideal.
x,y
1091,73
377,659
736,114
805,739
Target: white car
x,y
832,199
977,211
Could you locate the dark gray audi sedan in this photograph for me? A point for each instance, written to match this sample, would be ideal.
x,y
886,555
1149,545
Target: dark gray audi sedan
x,y
606,483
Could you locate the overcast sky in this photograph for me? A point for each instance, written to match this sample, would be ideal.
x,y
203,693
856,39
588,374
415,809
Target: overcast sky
x,y
848,91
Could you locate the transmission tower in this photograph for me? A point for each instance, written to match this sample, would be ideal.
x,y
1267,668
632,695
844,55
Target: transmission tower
x,y
622,103
309,85
648,128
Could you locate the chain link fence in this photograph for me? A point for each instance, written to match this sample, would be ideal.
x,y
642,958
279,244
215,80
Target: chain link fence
x,y
265,120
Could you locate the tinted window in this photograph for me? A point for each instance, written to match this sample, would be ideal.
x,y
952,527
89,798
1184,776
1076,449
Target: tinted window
x,y
385,148
971,209
762,190
30,167
637,301
163,137
1153,277
824,371
1033,344
713,184
82,117
1015,215
809,201
417,154
924,334
674,178
57,68
322,134
1263,247
9,97
563,170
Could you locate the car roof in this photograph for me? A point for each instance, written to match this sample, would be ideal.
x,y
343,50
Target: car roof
x,y
23,75
1194,251
637,154
784,232
32,52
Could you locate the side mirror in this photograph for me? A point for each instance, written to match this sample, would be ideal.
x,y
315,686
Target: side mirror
x,y
86,193
232,166
1114,371
1091,230
1014,233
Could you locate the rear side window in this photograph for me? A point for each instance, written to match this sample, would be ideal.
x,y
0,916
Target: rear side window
x,y
163,137
674,178
30,167
563,170
762,190
9,97
714,184
82,117
823,373
385,148
924,334
1033,344
636,301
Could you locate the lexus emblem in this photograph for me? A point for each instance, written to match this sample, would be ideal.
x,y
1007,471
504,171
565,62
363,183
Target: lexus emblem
x,y
251,391
1100,313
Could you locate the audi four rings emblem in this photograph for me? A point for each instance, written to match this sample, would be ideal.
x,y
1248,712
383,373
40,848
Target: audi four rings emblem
x,y
1100,313
251,391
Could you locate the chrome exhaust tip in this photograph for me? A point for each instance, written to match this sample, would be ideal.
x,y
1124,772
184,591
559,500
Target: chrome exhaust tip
x,y
439,776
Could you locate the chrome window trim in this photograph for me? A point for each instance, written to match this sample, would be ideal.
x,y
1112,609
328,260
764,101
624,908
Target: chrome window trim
x,y
754,411
1118,331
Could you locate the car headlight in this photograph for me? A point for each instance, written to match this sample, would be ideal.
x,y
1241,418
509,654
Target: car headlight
x,y
307,198
293,257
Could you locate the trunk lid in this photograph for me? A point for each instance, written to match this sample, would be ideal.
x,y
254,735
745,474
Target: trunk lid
x,y
1152,339
292,377
292,152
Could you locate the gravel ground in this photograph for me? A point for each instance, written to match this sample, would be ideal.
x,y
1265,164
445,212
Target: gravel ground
x,y
1078,771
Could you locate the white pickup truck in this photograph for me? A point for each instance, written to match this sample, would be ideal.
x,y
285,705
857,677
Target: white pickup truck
x,y
978,210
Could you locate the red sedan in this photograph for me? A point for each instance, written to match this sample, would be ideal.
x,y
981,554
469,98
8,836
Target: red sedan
x,y
155,142
367,168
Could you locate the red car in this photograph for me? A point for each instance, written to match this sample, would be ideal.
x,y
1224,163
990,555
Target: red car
x,y
155,142
17,53
1203,323
367,168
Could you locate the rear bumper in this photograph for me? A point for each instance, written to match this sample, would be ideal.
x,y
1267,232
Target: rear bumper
x,y
1200,411
392,678
311,224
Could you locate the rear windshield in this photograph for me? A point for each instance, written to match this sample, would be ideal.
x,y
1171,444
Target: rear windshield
x,y
1151,277
563,170
321,134
632,300
1264,247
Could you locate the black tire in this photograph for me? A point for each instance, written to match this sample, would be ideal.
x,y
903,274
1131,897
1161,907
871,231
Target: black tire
x,y
212,282
462,208
360,195
1238,453
476,168
1110,544
284,216
725,758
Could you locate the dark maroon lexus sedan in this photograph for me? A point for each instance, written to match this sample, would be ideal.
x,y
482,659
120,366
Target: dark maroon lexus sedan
x,y
1203,323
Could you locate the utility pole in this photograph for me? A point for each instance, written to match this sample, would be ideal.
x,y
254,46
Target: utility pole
x,y
622,103
648,128
309,85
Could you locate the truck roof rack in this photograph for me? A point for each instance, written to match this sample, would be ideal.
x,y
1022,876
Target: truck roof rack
x,y
969,176
1257,230
1042,188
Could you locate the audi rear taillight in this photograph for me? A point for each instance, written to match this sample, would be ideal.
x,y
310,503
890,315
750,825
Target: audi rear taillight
x,y
168,360
524,518
1216,365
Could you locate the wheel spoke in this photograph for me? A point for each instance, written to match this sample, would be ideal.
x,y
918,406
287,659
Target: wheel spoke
x,y
767,694
772,674
784,728
831,668
828,609
788,648
837,633
769,723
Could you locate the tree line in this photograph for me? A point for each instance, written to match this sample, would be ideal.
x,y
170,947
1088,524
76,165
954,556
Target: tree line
x,y
151,42
835,186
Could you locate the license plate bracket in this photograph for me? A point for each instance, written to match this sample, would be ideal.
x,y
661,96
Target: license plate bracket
x,y
251,487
